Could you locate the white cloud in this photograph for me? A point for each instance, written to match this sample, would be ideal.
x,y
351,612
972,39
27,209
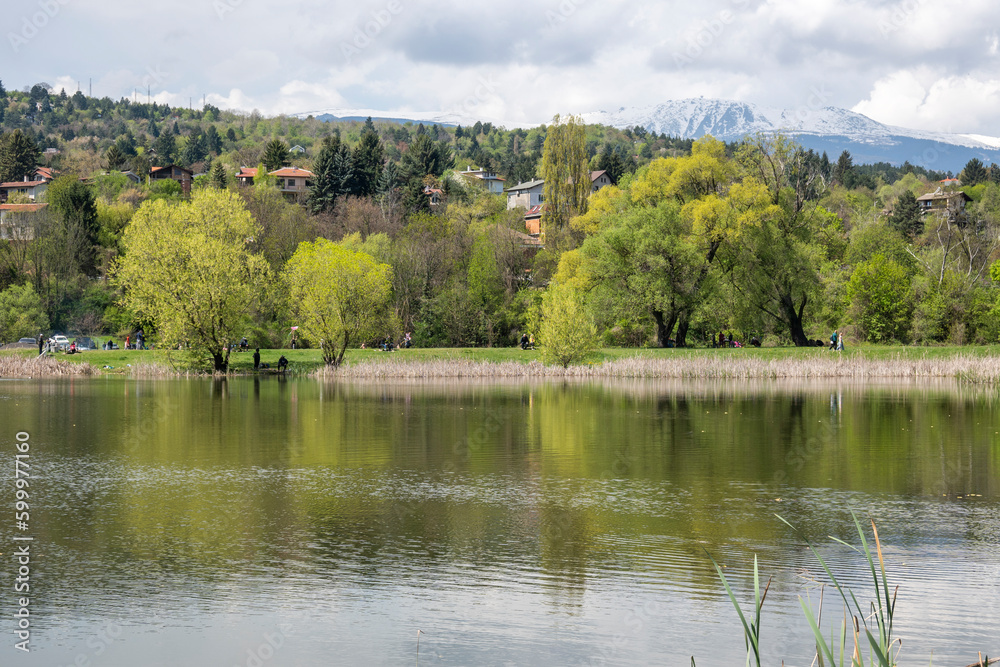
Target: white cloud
x,y
926,99
911,62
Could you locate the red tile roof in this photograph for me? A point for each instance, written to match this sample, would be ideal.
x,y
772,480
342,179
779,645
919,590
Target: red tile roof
x,y
25,208
291,172
247,172
22,184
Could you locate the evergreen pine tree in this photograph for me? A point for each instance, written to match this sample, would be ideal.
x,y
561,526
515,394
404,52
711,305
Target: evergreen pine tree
x,y
19,156
905,216
213,141
367,159
219,177
152,130
114,158
974,172
276,155
332,178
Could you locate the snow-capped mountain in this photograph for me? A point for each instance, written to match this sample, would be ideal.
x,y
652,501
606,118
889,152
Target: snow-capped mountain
x,y
829,129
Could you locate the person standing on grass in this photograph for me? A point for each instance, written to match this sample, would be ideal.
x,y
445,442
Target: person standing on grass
x,y
41,344
840,342
833,340
256,358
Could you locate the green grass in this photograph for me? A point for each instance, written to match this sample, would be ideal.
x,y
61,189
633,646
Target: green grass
x,y
306,361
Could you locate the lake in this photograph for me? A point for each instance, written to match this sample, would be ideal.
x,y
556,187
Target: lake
x,y
278,521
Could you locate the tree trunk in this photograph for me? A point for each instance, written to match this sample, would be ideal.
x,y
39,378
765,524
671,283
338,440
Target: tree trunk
x,y
682,329
664,327
220,361
793,318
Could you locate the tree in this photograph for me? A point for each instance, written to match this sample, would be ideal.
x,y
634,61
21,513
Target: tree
x,y
165,148
276,155
342,297
21,313
611,162
188,269
195,150
19,156
213,140
424,158
367,159
219,177
906,216
76,205
879,294
567,178
114,158
567,332
775,267
333,172
974,173
843,171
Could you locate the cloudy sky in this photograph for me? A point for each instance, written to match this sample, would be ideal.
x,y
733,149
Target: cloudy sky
x,y
914,63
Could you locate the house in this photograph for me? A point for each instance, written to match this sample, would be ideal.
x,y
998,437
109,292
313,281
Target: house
x,y
945,182
435,195
174,172
15,221
599,179
526,195
493,183
33,187
940,201
47,174
533,220
246,175
292,180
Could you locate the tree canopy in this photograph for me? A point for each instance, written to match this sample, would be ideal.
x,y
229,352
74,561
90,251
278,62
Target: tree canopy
x,y
189,271
342,297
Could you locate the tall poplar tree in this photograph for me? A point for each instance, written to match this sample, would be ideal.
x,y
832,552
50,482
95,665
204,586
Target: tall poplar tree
x,y
564,169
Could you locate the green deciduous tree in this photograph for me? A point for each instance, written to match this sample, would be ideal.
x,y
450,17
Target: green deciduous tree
x,y
566,175
341,297
188,270
567,333
21,313
879,292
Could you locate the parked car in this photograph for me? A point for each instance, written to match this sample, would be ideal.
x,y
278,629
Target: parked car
x,y
85,343
29,341
60,342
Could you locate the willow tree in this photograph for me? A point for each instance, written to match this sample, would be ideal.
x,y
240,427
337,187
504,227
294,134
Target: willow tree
x,y
566,174
189,269
342,297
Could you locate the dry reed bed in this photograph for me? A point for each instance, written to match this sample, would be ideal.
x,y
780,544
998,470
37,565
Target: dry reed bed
x,y
16,366
964,367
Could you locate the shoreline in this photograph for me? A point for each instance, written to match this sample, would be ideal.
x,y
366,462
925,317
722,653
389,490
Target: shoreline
x,y
963,366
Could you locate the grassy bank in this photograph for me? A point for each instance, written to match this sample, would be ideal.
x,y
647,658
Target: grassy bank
x,y
972,364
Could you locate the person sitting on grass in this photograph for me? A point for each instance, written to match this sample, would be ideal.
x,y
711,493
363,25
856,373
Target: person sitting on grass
x,y
282,363
524,341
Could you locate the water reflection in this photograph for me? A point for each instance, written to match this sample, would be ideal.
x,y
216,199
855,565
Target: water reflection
x,y
513,522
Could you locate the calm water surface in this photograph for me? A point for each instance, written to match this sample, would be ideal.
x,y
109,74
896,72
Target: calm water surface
x,y
272,522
